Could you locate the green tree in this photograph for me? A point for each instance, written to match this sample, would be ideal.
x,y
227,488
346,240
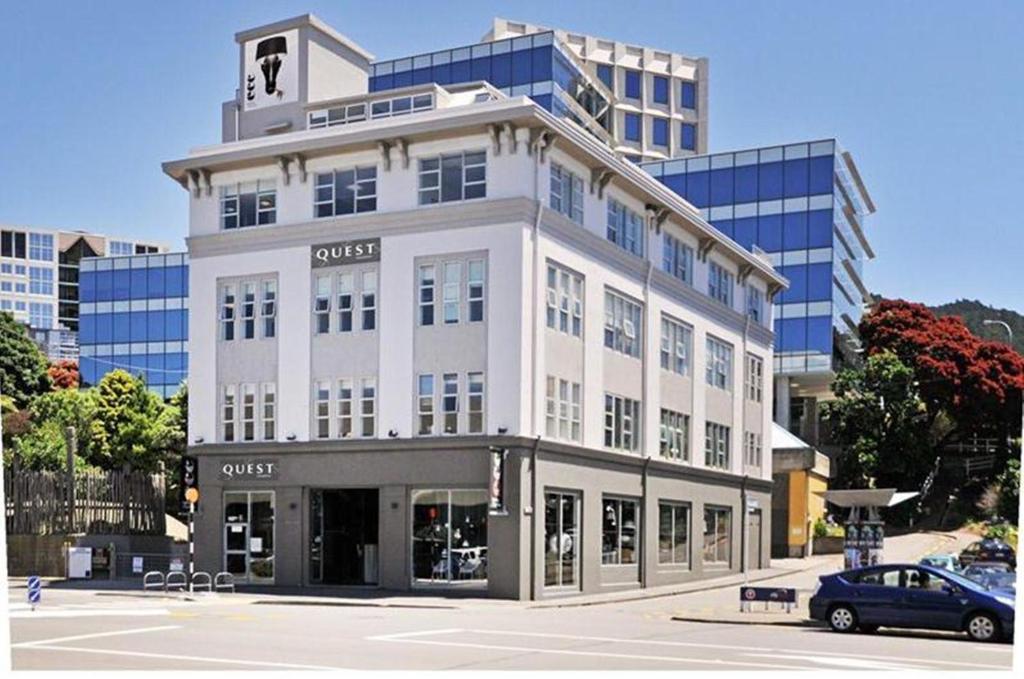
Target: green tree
x,y
880,420
1009,492
22,366
131,425
69,408
44,448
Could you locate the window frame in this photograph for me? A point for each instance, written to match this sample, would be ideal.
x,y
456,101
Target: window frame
x,y
676,333
430,179
674,428
363,190
717,446
623,423
674,507
564,300
718,363
617,336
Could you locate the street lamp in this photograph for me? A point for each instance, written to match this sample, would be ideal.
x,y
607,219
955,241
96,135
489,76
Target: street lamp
x,y
1009,332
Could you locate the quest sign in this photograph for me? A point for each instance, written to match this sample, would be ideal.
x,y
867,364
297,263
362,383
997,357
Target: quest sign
x,y
249,470
345,252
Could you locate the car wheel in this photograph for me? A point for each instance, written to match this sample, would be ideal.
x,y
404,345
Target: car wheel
x,y
982,627
868,629
842,618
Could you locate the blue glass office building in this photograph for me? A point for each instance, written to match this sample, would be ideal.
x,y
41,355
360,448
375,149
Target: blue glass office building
x,y
804,205
534,65
133,314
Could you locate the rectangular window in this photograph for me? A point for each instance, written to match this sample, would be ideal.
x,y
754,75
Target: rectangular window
x,y
620,524
450,292
345,192
227,312
604,73
118,248
40,279
753,378
677,258
475,389
451,177
718,364
344,405
720,283
621,420
368,407
688,136
269,411
563,409
40,315
633,84
346,294
688,95
675,436
248,310
475,290
248,204
659,130
427,277
622,324
634,125
40,247
673,534
450,403
564,301
716,445
322,305
676,346
755,304
425,405
268,308
322,409
625,228
752,449
369,300
717,536
566,193
227,413
248,412
660,89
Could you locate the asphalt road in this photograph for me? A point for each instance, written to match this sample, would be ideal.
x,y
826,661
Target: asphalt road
x,y
79,632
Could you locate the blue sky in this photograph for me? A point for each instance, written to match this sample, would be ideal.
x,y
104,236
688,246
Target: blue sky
x,y
926,95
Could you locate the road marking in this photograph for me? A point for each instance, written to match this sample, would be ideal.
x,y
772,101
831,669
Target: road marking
x,y
751,650
89,612
96,635
845,662
592,654
190,658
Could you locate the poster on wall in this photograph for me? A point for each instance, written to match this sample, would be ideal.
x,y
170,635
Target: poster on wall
x,y
271,70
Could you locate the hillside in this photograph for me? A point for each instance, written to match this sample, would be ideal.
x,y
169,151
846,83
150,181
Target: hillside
x,y
974,312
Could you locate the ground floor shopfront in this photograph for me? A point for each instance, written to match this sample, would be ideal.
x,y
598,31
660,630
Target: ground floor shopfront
x,y
399,515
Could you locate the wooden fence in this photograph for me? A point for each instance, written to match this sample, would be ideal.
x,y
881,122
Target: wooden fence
x,y
104,503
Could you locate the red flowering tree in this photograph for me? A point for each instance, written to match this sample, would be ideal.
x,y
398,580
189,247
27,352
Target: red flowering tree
x,y
974,384
64,374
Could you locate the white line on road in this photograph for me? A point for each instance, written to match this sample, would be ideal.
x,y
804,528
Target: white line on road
x,y
89,612
97,635
595,654
684,644
188,658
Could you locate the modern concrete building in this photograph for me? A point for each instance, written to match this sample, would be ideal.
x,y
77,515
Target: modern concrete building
x,y
461,345
39,279
133,315
801,476
805,206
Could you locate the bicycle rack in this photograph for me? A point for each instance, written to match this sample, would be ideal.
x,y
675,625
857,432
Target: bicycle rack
x,y
224,580
177,579
153,580
201,579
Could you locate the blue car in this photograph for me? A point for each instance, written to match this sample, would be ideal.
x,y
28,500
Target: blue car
x,y
912,595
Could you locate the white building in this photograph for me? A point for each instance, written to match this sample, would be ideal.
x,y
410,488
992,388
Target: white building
x,y
39,279
462,343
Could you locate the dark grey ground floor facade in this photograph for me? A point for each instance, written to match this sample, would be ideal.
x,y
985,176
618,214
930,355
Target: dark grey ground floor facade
x,y
404,515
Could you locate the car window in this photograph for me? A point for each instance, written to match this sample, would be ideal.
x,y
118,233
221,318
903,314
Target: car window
x,y
885,578
919,579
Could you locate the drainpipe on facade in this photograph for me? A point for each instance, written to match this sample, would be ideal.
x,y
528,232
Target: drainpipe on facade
x,y
533,519
743,451
743,528
644,364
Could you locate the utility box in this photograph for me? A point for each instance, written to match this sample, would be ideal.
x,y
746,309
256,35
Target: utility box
x,y
79,562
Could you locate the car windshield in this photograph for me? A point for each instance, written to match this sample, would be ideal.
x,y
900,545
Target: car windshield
x,y
1000,580
964,582
935,561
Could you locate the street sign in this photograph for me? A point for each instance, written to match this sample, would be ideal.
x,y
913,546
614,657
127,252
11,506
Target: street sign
x,y
192,495
779,595
35,590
